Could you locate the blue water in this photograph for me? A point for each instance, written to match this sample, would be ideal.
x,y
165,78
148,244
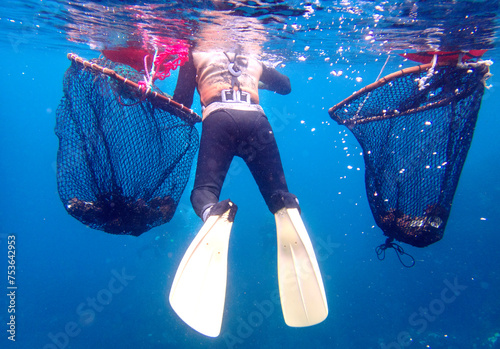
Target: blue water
x,y
65,272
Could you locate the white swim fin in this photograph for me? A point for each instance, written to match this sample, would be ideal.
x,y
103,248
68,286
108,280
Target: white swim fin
x,y
199,288
302,293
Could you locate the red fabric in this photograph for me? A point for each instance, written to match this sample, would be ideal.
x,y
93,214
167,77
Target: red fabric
x,y
131,56
168,58
443,56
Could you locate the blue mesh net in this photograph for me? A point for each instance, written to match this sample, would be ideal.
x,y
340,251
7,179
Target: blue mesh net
x,y
123,159
415,128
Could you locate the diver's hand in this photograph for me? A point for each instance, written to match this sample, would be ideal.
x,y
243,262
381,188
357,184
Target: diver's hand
x,y
263,86
273,80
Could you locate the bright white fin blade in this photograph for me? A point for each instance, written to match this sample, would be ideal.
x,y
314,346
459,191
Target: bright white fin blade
x,y
199,287
302,293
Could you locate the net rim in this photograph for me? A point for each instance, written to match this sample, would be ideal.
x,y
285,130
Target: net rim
x,y
385,80
183,112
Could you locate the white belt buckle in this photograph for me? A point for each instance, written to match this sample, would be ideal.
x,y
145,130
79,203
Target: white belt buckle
x,y
232,96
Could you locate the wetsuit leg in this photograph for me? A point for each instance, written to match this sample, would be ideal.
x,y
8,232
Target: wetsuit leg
x,y
258,148
217,147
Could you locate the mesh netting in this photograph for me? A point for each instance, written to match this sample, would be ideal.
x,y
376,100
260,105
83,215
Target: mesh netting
x,y
415,128
123,159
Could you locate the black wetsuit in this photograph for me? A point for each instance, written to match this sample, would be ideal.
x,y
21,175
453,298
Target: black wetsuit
x,y
229,132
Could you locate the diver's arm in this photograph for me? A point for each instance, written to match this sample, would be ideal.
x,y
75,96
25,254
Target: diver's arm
x,y
186,83
273,80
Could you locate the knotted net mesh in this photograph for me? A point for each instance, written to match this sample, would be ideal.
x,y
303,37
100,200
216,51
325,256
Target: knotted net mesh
x,y
124,158
415,128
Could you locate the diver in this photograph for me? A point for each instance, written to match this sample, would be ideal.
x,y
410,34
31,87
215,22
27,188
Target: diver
x,y
234,124
227,77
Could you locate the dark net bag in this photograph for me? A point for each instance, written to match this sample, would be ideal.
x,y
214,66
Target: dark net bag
x,y
125,154
415,128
